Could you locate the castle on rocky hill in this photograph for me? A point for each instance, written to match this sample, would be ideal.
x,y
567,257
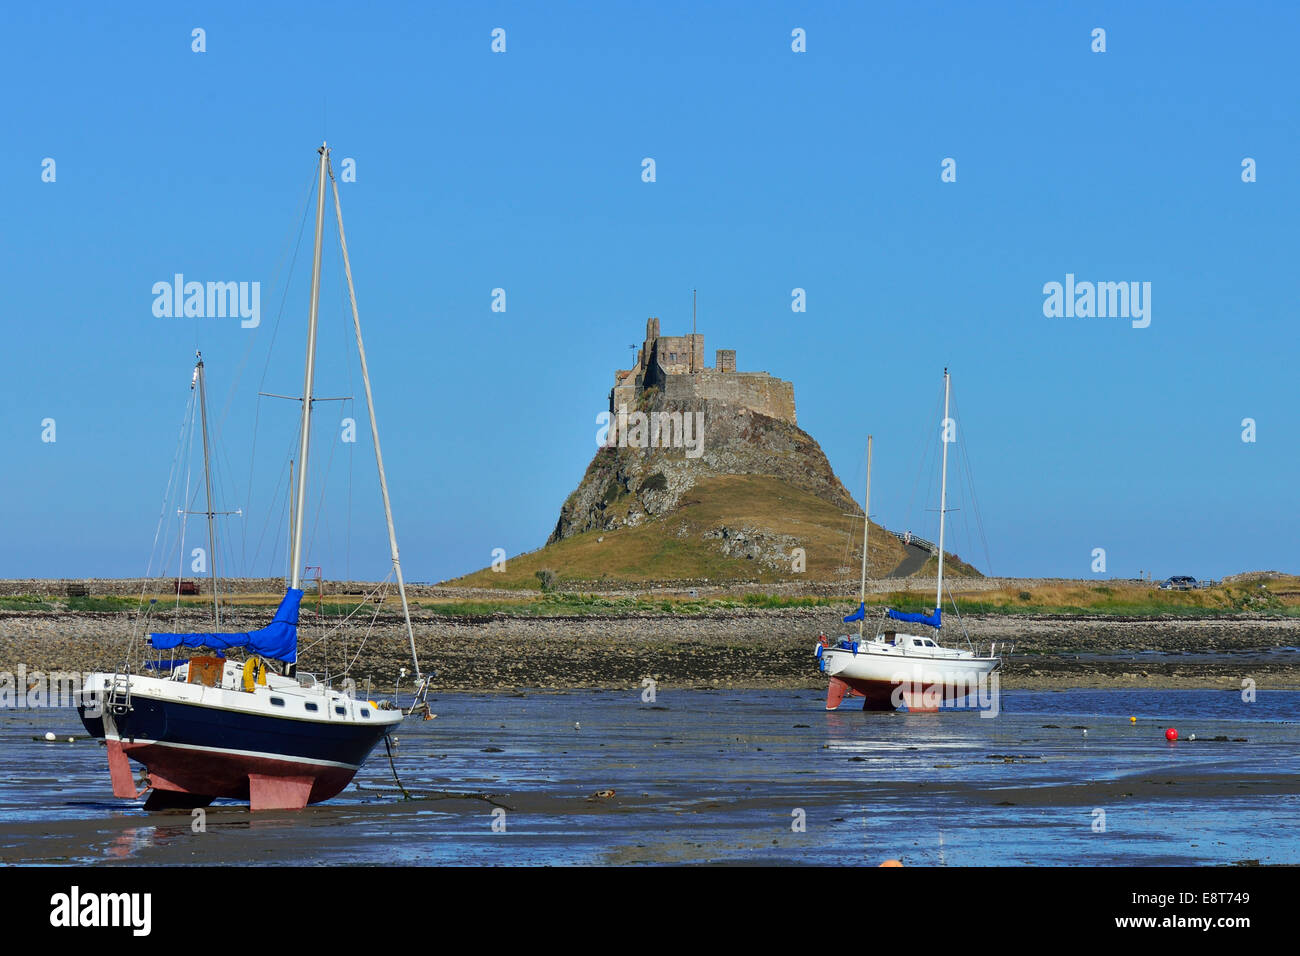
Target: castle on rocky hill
x,y
674,364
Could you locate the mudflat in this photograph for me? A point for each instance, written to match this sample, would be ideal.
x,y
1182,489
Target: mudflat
x,y
724,776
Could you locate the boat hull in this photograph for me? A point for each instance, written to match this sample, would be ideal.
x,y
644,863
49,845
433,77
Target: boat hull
x,y
887,681
265,782
204,752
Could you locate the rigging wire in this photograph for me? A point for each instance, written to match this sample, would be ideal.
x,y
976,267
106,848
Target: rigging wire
x,y
184,524
974,501
366,597
369,628
275,330
925,467
173,474
350,410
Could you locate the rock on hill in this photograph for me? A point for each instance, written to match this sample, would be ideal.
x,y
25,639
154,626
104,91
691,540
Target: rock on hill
x,y
756,500
625,486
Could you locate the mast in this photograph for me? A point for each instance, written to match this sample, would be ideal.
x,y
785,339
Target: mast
x,y
207,485
374,426
943,487
866,533
289,552
308,379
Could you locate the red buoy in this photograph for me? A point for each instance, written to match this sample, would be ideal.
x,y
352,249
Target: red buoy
x,y
1171,734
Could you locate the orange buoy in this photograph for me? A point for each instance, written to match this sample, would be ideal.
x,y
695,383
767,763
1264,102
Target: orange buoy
x,y
1171,734
892,863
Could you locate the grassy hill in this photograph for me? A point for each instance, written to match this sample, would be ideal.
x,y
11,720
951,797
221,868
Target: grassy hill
x,y
764,514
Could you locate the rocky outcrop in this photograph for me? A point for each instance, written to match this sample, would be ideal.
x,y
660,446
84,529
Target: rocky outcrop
x,y
754,544
625,486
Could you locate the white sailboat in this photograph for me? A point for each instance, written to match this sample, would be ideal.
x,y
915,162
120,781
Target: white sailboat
x,y
894,668
253,729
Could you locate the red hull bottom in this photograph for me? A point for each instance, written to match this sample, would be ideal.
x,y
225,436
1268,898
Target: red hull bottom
x,y
883,695
180,777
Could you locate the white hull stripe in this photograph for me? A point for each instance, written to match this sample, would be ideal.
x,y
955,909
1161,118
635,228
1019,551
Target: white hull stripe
x,y
235,753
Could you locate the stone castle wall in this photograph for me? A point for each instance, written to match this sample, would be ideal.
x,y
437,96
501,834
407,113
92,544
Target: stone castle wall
x,y
755,390
679,354
674,364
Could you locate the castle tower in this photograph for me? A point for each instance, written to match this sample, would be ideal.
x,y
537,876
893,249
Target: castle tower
x,y
674,364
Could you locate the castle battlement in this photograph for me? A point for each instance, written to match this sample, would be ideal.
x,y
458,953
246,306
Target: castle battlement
x,y
674,364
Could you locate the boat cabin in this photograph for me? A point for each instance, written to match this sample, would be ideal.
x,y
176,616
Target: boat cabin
x,y
906,642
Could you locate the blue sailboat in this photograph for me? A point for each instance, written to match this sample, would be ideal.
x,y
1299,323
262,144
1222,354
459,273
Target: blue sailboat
x,y
897,669
254,728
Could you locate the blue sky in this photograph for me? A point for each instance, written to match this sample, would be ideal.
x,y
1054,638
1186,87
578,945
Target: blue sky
x,y
775,170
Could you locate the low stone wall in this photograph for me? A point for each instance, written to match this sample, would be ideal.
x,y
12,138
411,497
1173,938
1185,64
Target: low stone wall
x,y
847,587
134,587
130,587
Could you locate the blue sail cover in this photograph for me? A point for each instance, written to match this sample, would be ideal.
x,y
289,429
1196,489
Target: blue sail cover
x,y
857,615
278,640
933,620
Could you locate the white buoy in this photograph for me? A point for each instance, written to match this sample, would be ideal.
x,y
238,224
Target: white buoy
x,y
1192,737
49,735
577,725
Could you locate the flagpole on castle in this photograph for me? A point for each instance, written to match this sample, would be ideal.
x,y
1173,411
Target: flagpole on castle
x,y
692,330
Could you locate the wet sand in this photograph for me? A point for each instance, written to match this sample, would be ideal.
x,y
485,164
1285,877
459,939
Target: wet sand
x,y
727,777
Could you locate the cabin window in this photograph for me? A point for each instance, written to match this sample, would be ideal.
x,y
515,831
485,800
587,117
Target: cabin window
x,y
365,713
312,707
341,710
277,701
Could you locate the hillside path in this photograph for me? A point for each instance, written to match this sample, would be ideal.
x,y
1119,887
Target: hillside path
x,y
915,561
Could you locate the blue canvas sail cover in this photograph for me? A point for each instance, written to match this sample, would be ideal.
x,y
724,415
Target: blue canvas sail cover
x,y
857,615
933,620
278,640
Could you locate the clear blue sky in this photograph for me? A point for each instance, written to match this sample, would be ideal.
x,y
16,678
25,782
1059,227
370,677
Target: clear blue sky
x,y
775,170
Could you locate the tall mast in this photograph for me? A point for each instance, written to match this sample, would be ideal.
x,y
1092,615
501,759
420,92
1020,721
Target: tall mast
x,y
308,378
866,533
207,484
374,426
943,487
289,553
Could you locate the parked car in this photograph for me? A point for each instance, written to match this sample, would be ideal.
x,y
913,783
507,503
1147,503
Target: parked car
x,y
1178,583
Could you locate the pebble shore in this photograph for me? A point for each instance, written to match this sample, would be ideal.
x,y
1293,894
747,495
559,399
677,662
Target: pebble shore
x,y
734,648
